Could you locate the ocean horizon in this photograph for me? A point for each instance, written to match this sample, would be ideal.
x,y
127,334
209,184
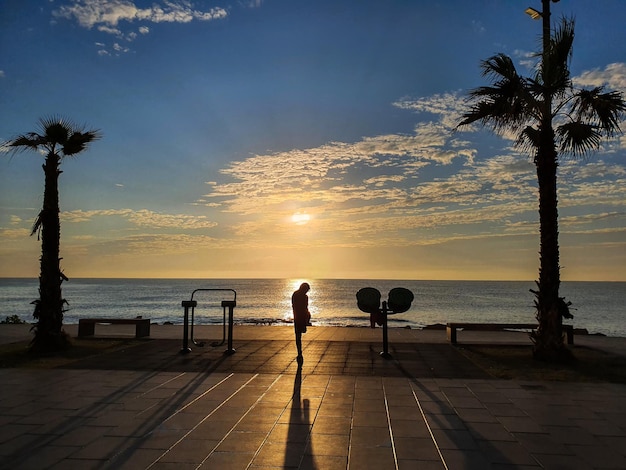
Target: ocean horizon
x,y
597,306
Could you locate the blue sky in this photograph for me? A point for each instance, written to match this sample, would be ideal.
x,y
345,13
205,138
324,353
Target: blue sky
x,y
307,139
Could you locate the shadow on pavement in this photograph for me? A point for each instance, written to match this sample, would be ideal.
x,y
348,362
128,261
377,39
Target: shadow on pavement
x,y
417,360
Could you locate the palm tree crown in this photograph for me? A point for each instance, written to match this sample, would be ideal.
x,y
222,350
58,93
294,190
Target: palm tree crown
x,y
57,135
515,102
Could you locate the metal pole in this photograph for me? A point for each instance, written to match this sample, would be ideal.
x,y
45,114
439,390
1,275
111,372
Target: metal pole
x,y
186,305
231,306
385,352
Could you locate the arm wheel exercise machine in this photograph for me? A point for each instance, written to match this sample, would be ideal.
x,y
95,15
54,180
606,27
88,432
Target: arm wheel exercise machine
x,y
368,301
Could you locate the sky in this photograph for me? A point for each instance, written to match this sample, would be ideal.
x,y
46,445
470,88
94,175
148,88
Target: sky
x,y
297,138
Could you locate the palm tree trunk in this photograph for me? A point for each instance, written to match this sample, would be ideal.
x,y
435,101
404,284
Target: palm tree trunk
x,y
548,339
49,333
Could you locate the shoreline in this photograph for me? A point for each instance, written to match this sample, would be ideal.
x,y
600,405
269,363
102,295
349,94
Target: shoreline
x,y
286,323
10,333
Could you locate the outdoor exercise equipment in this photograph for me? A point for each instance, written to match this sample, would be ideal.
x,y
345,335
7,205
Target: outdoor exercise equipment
x,y
191,304
399,301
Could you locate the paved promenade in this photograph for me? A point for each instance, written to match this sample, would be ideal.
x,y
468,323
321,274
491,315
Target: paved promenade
x,y
147,406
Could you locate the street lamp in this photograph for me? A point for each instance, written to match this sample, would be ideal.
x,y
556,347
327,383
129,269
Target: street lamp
x,y
534,14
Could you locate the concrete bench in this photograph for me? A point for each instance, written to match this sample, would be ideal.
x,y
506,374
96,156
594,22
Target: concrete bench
x,y
452,327
86,326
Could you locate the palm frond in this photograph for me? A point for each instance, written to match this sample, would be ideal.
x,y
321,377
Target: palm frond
x,y
505,105
77,142
605,109
29,141
499,67
562,41
578,138
529,138
37,225
554,72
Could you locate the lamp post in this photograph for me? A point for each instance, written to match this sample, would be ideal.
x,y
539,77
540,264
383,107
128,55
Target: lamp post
x,y
545,16
547,94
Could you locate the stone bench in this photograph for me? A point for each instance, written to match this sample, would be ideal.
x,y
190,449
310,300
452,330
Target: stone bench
x,y
86,326
452,327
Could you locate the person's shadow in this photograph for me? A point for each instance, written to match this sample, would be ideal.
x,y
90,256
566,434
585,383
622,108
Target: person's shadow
x,y
299,446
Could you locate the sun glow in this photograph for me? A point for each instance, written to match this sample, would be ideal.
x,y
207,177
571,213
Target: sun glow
x,y
300,219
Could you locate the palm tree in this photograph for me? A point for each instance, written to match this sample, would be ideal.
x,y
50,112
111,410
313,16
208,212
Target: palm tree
x,y
550,117
58,138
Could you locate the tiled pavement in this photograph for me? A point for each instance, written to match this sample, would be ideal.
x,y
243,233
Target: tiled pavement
x,y
148,406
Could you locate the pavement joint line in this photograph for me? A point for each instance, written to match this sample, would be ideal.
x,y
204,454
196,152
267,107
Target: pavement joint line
x,y
393,445
184,436
351,430
156,387
180,410
430,431
240,420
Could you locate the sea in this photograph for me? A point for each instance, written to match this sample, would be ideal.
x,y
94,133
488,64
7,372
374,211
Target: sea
x,y
598,307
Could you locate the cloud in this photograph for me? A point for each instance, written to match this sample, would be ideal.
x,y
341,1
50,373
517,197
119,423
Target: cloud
x,y
447,107
336,173
150,244
142,218
2,74
586,219
252,3
110,30
14,233
113,16
613,75
110,13
478,27
120,48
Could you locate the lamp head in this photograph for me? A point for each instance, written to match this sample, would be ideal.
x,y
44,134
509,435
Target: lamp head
x,y
534,14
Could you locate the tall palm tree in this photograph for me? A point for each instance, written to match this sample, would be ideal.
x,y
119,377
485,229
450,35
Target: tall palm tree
x,y
550,117
57,138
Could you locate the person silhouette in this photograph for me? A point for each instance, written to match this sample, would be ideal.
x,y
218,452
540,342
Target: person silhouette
x,y
301,315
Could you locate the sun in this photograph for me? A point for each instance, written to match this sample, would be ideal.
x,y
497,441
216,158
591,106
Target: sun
x,y
300,219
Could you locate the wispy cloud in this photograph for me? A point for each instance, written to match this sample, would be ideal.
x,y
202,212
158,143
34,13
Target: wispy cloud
x,y
110,13
149,244
447,107
115,16
251,3
14,233
142,218
613,75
